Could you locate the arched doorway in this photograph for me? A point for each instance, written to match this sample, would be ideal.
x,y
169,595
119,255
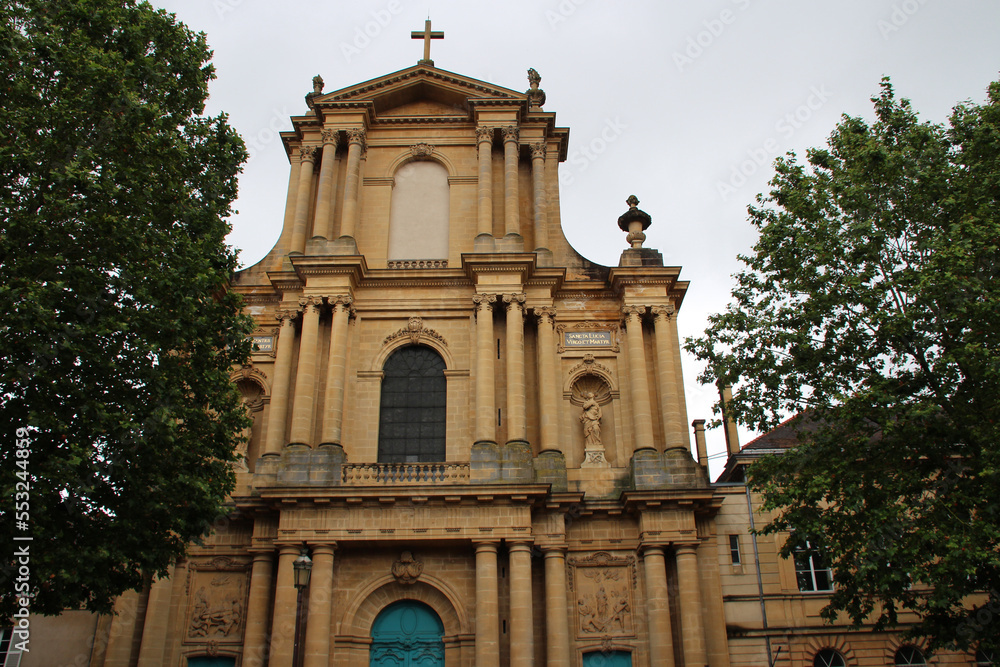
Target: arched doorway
x,y
407,633
607,659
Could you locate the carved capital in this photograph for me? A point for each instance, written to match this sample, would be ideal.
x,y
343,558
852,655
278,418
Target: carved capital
x,y
629,311
514,300
307,153
357,135
310,300
283,314
510,133
484,300
663,311
484,134
545,315
331,137
537,150
342,301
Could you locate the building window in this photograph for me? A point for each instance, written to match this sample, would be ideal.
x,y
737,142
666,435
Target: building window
x,y
811,570
734,549
9,655
829,658
985,658
413,407
909,656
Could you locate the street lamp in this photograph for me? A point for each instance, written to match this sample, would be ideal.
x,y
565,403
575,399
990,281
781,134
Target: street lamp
x,y
302,568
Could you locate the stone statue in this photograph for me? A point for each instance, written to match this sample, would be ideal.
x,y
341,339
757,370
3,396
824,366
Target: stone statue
x,y
317,84
591,419
536,96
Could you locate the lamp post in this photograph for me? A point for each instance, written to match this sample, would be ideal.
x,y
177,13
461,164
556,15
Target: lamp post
x,y
302,568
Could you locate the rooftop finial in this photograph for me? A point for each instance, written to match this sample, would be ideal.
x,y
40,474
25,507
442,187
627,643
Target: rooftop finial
x,y
536,96
317,84
427,35
634,221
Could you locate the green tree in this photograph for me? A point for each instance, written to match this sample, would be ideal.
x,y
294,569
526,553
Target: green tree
x,y
118,333
871,303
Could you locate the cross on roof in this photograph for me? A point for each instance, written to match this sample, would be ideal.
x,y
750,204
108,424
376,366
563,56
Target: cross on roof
x,y
427,35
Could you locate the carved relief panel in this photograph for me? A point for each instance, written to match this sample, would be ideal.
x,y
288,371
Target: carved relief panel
x,y
604,588
217,598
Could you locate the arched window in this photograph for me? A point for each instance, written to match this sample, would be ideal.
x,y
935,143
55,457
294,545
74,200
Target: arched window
x,y
909,656
828,657
411,426
418,214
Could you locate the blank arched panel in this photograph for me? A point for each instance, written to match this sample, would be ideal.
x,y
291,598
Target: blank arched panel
x,y
418,217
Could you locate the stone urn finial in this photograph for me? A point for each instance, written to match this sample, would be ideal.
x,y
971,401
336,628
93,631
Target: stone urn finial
x,y
536,96
634,221
317,84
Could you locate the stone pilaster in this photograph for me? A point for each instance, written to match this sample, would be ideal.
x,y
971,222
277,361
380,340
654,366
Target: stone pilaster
x,y
154,629
487,607
642,415
661,648
336,370
522,626
285,599
278,410
303,407
485,398
511,155
303,200
323,224
538,185
516,406
258,610
484,142
556,620
692,628
318,631
548,397
675,347
356,138
666,376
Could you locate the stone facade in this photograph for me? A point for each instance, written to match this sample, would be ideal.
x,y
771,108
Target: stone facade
x,y
566,523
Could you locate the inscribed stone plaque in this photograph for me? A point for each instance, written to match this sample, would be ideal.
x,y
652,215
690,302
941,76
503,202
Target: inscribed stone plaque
x,y
263,344
587,338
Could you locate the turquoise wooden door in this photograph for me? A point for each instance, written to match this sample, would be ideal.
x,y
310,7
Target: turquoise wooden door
x,y
607,659
211,662
407,634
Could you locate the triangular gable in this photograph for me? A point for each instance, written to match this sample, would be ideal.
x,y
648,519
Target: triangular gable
x,y
419,83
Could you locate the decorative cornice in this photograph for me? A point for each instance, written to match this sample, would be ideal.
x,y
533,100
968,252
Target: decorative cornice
x,y
417,264
427,73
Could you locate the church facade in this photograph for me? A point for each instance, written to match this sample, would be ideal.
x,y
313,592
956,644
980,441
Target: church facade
x,y
476,437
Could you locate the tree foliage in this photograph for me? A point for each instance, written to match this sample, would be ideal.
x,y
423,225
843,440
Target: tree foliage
x,y
118,333
871,303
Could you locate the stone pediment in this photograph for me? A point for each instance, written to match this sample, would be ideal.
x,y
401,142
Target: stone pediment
x,y
422,91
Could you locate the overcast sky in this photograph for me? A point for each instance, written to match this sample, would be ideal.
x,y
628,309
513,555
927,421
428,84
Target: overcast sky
x,y
684,104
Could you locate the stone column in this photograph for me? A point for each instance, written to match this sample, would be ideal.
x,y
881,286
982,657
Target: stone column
x,y
352,186
556,623
661,645
522,626
673,426
485,403
258,607
487,623
512,223
642,414
675,347
538,185
336,370
154,628
323,224
317,641
548,398
307,156
285,599
282,379
516,407
484,142
692,627
305,374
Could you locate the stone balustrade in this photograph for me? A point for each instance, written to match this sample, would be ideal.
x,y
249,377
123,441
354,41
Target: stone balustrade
x,y
396,474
